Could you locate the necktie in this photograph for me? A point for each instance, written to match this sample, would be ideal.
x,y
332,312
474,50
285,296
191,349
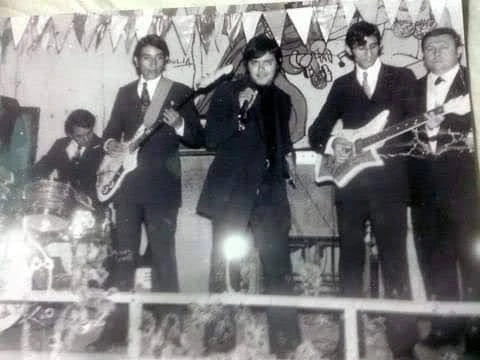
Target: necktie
x,y
365,85
144,99
439,80
78,153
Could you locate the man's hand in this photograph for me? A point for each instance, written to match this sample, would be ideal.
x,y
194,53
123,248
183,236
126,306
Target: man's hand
x,y
342,149
248,95
172,118
433,120
292,168
115,148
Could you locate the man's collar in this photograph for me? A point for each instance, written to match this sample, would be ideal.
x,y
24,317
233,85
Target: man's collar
x,y
153,81
447,76
374,69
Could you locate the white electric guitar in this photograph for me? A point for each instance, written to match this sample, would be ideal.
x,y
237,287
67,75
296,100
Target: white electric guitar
x,y
367,139
113,169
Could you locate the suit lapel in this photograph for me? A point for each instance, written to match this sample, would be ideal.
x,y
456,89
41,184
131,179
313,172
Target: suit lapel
x,y
459,85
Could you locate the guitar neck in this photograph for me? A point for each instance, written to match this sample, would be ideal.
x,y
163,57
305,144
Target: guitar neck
x,y
399,129
137,141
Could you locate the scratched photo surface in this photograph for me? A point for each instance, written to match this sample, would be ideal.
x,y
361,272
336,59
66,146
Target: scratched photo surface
x,y
58,244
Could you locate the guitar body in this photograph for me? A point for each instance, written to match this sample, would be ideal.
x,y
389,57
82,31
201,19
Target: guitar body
x,y
327,169
112,171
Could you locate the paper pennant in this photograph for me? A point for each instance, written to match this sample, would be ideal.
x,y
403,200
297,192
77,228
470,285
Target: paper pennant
x,y
368,10
117,28
185,26
231,25
41,22
206,26
414,7
301,19
143,23
455,10
391,7
62,25
250,21
19,24
324,16
437,7
349,8
79,21
101,30
275,20
92,24
446,19
47,39
161,24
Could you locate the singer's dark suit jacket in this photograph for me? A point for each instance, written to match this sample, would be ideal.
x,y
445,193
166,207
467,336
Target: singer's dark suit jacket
x,y
157,179
81,174
234,176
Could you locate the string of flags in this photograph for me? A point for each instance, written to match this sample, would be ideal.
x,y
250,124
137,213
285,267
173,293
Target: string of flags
x,y
44,32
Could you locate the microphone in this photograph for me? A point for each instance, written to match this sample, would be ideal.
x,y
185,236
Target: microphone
x,y
242,114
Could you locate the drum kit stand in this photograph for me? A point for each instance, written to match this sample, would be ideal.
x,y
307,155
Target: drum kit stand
x,y
51,238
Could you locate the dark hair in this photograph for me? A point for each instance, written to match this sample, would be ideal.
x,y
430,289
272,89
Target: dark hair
x,y
443,31
150,40
357,32
259,46
81,118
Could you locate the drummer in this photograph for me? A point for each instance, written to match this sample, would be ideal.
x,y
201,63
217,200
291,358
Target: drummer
x,y
74,159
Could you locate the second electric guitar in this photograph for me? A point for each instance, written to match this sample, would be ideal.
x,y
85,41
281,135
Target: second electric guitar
x,y
367,139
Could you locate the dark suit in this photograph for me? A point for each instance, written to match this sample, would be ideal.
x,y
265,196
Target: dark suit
x,y
378,194
245,189
445,203
9,111
152,192
80,173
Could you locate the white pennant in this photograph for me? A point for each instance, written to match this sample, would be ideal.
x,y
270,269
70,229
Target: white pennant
x,y
301,19
349,8
275,20
42,21
63,24
185,26
143,23
117,28
19,24
235,25
437,7
93,20
446,20
456,15
324,16
222,9
391,7
250,21
414,7
368,10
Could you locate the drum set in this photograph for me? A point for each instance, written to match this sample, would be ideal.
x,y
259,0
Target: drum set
x,y
51,237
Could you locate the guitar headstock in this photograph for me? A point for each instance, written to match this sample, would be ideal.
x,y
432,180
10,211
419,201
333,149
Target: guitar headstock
x,y
209,79
459,105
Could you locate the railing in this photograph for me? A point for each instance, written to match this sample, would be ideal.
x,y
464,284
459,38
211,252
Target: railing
x,y
349,306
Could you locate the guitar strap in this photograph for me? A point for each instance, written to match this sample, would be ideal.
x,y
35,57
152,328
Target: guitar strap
x,y
158,101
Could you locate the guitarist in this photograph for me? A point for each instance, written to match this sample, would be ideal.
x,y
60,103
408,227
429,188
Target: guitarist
x,y
151,193
444,180
377,194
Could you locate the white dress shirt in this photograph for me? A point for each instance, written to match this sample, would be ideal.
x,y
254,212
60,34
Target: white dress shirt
x,y
436,95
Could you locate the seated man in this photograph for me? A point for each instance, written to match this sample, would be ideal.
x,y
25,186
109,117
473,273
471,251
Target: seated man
x,y
74,159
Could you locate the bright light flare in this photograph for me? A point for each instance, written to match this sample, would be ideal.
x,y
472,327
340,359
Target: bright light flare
x,y
82,221
235,246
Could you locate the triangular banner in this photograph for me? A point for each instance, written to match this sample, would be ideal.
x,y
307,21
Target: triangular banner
x,y
301,19
47,39
391,7
324,16
117,28
455,10
437,7
446,20
62,25
231,25
250,21
19,24
185,26
206,26
41,22
101,30
367,10
275,20
79,21
349,8
143,23
90,30
414,7
161,24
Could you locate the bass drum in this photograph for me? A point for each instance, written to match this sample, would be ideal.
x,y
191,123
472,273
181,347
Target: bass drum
x,y
48,205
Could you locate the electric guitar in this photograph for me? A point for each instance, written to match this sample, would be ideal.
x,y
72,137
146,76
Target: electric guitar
x,y
113,169
367,139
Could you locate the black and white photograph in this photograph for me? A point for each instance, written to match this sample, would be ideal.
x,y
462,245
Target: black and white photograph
x,y
239,180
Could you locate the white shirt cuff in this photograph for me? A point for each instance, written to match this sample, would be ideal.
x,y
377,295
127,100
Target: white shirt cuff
x,y
181,129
